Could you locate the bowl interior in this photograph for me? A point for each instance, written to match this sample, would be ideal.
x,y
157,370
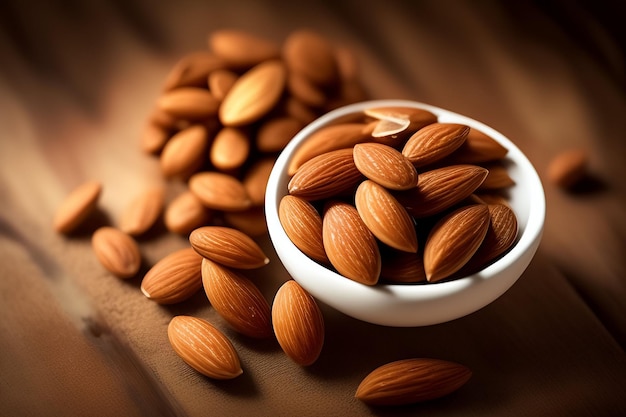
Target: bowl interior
x,y
415,304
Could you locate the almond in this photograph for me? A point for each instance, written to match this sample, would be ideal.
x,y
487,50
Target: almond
x,y
117,252
185,213
305,90
396,124
142,213
230,149
191,103
219,191
311,55
76,207
184,153
385,166
174,278
255,179
303,226
275,133
441,188
298,323
478,148
220,82
325,175
228,246
568,168
349,244
237,300
410,381
242,49
203,347
254,94
497,178
192,70
293,107
251,222
385,217
433,142
326,139
154,137
402,267
454,240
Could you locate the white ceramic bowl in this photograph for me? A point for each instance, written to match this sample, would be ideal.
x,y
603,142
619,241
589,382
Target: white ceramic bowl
x,y
416,304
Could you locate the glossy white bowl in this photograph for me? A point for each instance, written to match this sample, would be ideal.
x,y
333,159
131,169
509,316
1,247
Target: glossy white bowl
x,y
413,304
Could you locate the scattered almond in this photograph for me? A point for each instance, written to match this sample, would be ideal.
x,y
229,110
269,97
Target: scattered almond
x,y
230,149
174,278
228,246
255,180
242,49
154,138
142,213
250,221
219,191
185,213
274,134
220,82
385,166
191,103
183,154
192,70
76,207
311,55
568,168
117,252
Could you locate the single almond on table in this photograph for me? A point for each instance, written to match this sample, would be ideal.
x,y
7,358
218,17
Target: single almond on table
x,y
441,188
185,213
219,191
220,82
349,244
184,153
568,168
191,103
275,133
433,142
228,246
203,347
254,94
174,278
311,55
478,148
298,323
76,207
117,252
242,49
255,179
142,213
497,178
411,381
325,175
303,226
454,240
192,70
385,166
385,216
230,149
237,300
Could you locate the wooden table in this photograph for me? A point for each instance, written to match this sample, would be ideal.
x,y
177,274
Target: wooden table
x,y
77,82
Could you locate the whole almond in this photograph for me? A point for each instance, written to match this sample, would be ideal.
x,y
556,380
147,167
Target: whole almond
x,y
433,142
154,137
410,381
220,82
303,226
255,179
385,166
251,222
237,300
298,323
76,207
274,134
254,94
454,240
402,267
219,191
142,212
326,139
192,70
230,149
191,103
174,278
184,153
117,252
310,54
349,244
185,213
203,347
478,148
325,175
497,178
568,168
441,188
242,49
228,246
385,216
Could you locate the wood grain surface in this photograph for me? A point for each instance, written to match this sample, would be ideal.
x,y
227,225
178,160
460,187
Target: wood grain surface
x,y
77,82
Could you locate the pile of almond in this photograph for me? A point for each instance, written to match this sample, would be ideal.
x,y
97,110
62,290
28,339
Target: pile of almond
x,y
395,194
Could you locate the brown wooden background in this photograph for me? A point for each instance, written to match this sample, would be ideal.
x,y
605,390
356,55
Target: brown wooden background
x,y
77,80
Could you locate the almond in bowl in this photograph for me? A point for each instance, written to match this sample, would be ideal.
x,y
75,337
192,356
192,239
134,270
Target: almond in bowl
x,y
414,230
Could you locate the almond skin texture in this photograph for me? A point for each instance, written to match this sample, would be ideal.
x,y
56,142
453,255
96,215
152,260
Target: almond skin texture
x,y
411,381
203,347
478,148
192,70
303,225
237,300
311,55
189,103
141,214
228,246
174,278
254,94
76,207
219,191
349,244
385,217
116,251
441,188
241,49
325,175
385,166
185,213
298,323
433,142
454,240
184,153
568,168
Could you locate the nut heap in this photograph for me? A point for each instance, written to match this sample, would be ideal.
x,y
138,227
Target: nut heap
x,y
394,193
